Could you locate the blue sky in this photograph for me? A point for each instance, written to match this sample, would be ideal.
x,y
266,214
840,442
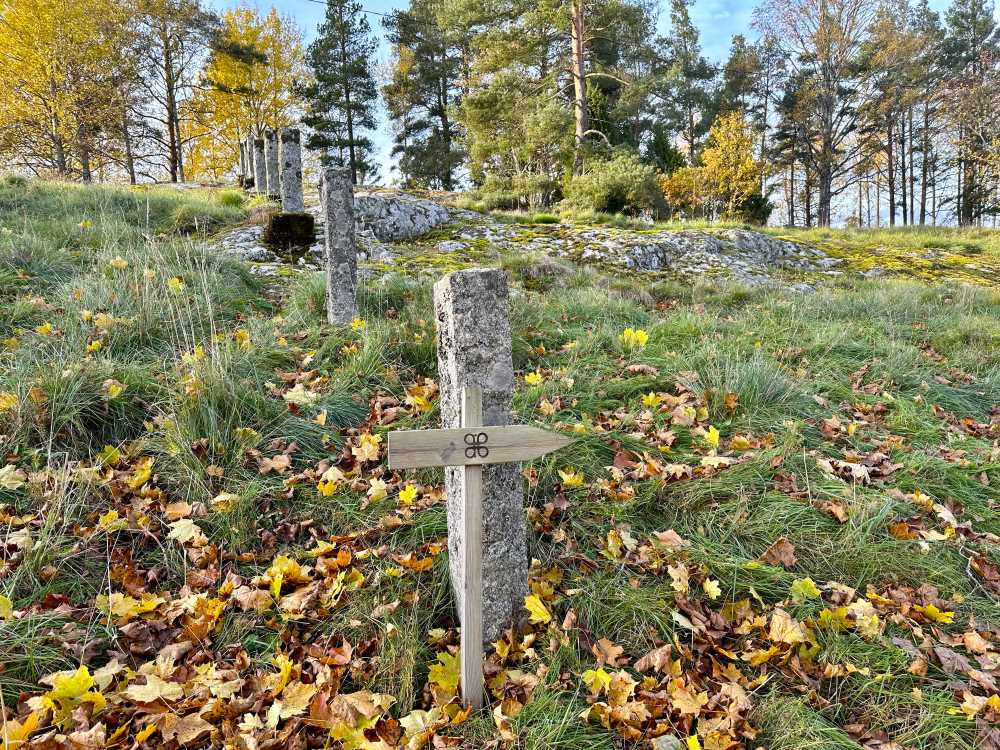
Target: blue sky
x,y
717,21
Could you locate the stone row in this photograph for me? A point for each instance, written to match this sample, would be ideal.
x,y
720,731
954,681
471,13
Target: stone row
x,y
272,166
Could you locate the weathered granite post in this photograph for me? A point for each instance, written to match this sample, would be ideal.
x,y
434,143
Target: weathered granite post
x,y
474,348
290,157
259,168
271,163
340,246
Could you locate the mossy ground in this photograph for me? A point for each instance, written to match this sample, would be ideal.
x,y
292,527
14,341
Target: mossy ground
x,y
920,356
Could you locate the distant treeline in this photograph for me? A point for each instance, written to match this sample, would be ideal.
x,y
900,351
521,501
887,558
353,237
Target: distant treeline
x,y
885,110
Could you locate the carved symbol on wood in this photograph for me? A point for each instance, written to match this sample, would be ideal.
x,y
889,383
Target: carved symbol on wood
x,y
477,445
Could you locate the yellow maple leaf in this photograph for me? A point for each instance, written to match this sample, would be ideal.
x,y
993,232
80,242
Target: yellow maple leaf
x,y
679,577
113,388
118,263
570,477
652,400
156,688
712,436
546,407
686,701
534,378
295,698
634,338
377,490
15,733
144,734
242,338
8,401
712,588
445,672
175,284
186,531
834,619
408,494
141,473
280,679
785,629
596,680
110,521
104,322
69,690
539,614
934,614
367,448
804,588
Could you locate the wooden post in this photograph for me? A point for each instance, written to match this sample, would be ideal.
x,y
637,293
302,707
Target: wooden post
x,y
472,606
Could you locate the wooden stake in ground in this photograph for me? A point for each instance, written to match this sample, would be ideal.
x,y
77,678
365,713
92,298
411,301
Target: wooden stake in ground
x,y
470,447
488,558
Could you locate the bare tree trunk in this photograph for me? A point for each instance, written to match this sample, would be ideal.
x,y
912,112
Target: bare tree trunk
x,y
909,115
934,202
173,140
925,159
860,217
791,194
127,141
579,53
902,167
890,172
180,145
83,148
808,198
58,147
878,200
868,202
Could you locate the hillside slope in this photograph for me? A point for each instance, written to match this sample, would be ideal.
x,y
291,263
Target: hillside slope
x,y
778,526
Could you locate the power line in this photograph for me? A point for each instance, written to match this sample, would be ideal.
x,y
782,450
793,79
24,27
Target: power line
x,y
376,13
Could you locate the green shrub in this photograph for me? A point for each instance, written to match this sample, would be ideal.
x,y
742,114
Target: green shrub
x,y
620,184
231,198
519,192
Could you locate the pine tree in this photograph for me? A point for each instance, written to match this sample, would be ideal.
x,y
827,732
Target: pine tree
x,y
342,100
424,89
687,83
972,55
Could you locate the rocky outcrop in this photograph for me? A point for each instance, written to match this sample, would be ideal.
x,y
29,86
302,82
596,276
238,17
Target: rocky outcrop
x,y
394,216
748,257
738,250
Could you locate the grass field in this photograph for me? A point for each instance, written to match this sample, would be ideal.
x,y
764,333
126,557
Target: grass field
x,y
778,526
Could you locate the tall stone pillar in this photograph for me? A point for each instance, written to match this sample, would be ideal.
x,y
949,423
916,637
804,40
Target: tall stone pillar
x,y
290,156
474,347
271,163
259,168
340,246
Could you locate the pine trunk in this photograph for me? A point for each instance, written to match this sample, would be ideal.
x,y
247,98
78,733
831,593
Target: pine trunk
x,y
890,173
902,167
925,148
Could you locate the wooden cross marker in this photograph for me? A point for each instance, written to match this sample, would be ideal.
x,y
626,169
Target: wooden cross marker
x,y
471,446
